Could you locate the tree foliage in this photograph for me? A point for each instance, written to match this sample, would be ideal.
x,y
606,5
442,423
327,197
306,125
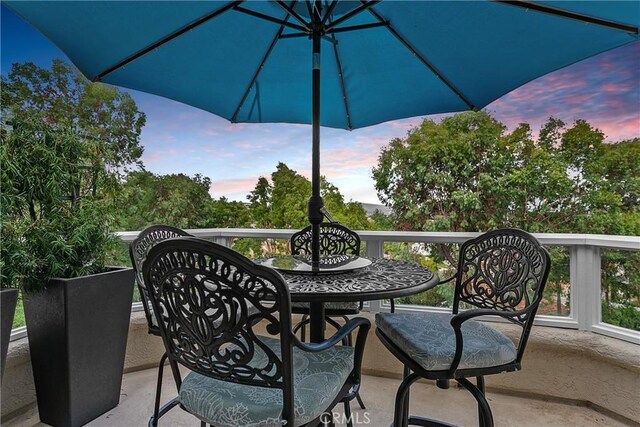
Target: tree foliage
x,y
468,173
177,200
53,222
282,203
61,96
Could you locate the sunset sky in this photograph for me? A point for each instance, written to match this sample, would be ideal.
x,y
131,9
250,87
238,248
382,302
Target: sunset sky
x,y
604,90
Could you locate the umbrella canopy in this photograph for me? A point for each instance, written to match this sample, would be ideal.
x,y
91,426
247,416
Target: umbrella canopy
x,y
261,61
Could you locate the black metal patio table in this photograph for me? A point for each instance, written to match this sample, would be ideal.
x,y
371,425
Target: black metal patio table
x,y
382,279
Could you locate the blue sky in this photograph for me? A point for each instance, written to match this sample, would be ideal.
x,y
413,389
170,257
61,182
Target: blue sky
x,y
605,90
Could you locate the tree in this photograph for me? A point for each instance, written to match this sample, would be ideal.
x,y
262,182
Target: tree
x,y
62,96
178,200
468,173
259,200
289,194
223,213
283,203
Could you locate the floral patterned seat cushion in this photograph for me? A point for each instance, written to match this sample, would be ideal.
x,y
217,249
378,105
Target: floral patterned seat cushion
x,y
429,339
346,306
318,377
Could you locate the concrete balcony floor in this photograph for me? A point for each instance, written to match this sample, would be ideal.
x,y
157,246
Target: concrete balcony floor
x,y
454,405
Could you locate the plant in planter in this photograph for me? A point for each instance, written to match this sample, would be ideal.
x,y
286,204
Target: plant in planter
x,y
55,243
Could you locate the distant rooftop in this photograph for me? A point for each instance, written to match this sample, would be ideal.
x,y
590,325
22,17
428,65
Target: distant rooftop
x,y
370,208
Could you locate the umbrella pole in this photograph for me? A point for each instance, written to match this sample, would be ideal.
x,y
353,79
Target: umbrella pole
x,y
315,201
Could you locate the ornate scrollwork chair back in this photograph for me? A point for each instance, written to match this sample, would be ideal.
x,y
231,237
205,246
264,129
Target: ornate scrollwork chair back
x,y
500,273
138,252
211,302
503,270
335,239
209,299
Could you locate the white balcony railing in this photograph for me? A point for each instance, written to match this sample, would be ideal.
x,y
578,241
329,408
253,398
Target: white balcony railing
x,y
584,269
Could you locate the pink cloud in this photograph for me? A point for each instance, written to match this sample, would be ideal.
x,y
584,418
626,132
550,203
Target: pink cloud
x,y
151,157
404,124
243,145
343,161
626,128
578,98
237,127
616,88
227,187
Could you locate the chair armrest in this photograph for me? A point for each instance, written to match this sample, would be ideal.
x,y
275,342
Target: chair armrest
x,y
350,326
442,282
363,325
460,318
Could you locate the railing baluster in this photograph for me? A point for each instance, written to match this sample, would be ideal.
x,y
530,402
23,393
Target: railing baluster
x,y
584,275
375,248
224,241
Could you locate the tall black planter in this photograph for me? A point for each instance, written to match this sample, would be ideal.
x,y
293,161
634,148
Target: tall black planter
x,y
77,332
8,298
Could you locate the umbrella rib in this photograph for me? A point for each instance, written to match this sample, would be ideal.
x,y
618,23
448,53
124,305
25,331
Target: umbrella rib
x,y
342,85
422,59
309,7
364,6
293,13
358,27
234,118
329,11
269,18
570,15
165,40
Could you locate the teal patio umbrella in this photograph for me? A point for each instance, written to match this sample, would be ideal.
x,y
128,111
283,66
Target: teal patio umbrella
x,y
342,64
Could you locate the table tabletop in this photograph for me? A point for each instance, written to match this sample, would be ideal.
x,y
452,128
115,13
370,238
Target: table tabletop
x,y
383,279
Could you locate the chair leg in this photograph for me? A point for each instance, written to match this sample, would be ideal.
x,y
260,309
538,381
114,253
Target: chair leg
x,y
348,342
480,385
399,418
406,372
347,413
393,305
486,418
360,402
156,407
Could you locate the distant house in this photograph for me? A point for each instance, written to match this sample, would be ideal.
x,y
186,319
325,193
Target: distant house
x,y
371,208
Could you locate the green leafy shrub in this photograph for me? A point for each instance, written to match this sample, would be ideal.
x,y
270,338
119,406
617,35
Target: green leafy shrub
x,y
54,222
623,315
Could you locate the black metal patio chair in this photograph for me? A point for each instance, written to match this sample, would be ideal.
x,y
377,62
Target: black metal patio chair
x,y
335,239
210,303
138,252
500,273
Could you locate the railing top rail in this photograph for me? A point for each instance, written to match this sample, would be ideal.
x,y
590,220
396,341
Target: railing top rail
x,y
551,239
